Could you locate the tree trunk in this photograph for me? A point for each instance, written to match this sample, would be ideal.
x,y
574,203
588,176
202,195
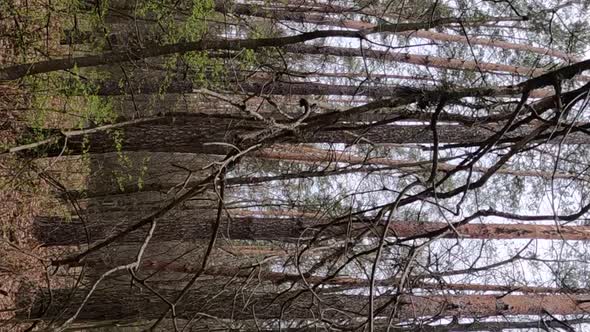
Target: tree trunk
x,y
345,282
140,171
444,37
478,326
177,226
137,303
311,155
164,174
166,186
202,133
250,10
415,59
184,226
113,88
22,70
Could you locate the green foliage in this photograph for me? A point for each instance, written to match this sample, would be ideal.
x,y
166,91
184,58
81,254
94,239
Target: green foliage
x,y
248,59
77,94
204,70
184,22
99,111
196,26
128,173
193,24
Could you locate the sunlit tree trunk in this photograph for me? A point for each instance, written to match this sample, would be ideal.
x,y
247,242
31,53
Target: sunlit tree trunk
x,y
417,59
312,155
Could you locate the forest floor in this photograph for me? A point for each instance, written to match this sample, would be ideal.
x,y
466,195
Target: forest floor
x,y
24,262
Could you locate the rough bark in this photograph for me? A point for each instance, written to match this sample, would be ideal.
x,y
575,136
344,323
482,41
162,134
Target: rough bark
x,y
188,225
137,303
479,326
177,226
138,171
345,282
114,88
200,133
195,132
170,186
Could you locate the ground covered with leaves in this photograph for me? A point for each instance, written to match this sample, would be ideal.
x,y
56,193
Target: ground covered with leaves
x,y
24,263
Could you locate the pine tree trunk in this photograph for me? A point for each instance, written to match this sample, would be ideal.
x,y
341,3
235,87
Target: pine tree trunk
x,y
114,88
342,283
201,133
137,303
192,224
310,155
418,59
246,9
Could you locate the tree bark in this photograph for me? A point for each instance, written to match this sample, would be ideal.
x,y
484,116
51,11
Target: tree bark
x,y
22,70
265,88
184,226
444,37
247,9
137,303
202,133
479,326
345,282
418,59
311,155
168,185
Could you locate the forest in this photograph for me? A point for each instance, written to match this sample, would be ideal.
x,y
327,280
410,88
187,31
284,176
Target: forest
x,y
295,165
